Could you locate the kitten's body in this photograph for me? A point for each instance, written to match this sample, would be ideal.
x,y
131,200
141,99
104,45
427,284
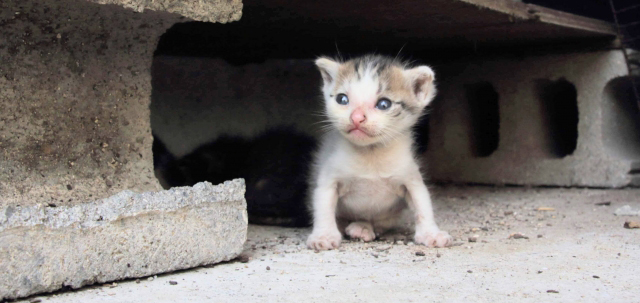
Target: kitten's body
x,y
366,174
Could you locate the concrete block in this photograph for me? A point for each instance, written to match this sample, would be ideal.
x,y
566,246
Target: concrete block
x,y
127,235
76,85
567,120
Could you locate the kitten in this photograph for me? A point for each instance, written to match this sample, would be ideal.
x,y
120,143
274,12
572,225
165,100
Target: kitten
x,y
275,165
366,174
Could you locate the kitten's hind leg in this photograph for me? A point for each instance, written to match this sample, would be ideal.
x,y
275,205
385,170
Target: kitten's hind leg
x,y
360,230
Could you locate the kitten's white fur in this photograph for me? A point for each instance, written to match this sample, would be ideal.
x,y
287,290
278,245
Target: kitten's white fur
x,y
367,179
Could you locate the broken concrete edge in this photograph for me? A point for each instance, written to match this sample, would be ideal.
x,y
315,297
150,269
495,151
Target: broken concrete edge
x,y
126,203
207,10
153,233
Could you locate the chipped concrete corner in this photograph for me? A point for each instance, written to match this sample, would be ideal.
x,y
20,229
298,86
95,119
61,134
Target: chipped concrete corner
x,y
128,235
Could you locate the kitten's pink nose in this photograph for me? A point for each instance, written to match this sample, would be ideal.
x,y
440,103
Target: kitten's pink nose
x,y
357,117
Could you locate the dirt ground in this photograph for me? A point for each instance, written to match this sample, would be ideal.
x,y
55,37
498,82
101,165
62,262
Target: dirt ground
x,y
573,250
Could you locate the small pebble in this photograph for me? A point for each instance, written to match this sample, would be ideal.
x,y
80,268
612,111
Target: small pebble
x,y
173,282
539,236
268,268
470,271
596,277
35,301
474,238
138,281
517,236
419,253
552,291
632,224
508,213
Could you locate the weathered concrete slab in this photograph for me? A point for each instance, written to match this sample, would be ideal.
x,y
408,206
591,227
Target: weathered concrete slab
x,y
127,235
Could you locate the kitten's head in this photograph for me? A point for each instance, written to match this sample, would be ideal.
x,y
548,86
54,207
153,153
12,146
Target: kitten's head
x,y
373,99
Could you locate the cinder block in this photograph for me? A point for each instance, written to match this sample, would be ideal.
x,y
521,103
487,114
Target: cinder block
x,y
567,120
76,85
128,235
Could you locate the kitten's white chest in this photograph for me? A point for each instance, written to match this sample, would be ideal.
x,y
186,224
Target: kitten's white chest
x,y
368,199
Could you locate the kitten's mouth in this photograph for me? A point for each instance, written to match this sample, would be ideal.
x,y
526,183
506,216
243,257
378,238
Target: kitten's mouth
x,y
359,132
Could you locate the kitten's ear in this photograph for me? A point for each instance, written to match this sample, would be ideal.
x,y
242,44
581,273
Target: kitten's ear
x,y
422,78
328,68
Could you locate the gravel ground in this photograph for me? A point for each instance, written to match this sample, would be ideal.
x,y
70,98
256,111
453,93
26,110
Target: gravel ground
x,y
531,245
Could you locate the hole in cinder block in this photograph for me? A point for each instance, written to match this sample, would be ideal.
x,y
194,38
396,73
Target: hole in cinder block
x,y
621,119
483,105
559,113
421,135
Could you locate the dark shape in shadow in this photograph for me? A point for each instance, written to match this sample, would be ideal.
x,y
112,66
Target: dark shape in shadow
x,y
484,112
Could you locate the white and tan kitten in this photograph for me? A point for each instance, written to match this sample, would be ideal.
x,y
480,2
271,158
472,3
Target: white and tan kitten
x,y
366,174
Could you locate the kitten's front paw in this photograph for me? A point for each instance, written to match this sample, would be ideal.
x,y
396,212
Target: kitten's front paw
x,y
324,240
360,230
434,239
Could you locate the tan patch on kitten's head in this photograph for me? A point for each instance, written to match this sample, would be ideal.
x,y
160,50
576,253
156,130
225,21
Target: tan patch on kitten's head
x,y
358,91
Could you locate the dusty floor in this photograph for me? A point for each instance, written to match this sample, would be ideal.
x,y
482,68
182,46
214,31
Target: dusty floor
x,y
576,251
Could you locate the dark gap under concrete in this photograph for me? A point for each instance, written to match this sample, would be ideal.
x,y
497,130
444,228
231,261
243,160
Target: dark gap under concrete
x,y
484,112
559,109
621,119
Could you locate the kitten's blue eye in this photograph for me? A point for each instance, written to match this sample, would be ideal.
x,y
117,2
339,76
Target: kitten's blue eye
x,y
383,104
342,99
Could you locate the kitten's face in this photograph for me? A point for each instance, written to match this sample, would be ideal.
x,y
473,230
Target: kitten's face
x,y
373,99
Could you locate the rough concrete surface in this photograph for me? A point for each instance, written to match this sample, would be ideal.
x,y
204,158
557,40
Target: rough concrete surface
x,y
575,251
202,10
524,154
128,235
75,89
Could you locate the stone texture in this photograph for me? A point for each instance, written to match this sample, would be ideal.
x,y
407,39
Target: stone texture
x,y
199,10
127,235
76,86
